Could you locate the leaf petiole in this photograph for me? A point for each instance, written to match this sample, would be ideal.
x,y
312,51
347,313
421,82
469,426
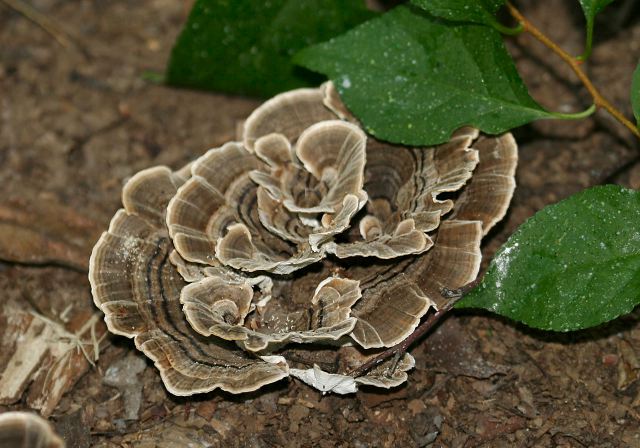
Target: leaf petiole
x,y
587,47
575,115
509,31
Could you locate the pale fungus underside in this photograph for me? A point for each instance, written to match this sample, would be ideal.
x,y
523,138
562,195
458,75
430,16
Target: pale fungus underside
x,y
302,250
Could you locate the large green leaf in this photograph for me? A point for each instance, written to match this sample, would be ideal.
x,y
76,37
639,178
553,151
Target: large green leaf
x,y
244,46
475,11
573,265
591,8
413,79
635,94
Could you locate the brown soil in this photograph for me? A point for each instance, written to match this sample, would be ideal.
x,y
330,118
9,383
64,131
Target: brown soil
x,y
78,121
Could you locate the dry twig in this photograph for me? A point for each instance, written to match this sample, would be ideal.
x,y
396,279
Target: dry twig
x,y
46,23
454,295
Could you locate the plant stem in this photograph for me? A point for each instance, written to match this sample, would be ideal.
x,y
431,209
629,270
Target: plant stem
x,y
598,99
454,295
576,115
588,43
507,30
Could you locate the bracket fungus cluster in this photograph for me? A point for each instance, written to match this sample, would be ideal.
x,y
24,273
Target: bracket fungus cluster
x,y
302,250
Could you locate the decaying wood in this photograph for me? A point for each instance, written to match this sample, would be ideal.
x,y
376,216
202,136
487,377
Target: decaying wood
x,y
41,230
45,357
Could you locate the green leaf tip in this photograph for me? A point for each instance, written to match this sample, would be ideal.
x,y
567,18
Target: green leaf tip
x,y
245,46
432,76
573,265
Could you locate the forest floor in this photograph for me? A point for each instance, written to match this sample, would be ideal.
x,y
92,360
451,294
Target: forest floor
x,y
77,120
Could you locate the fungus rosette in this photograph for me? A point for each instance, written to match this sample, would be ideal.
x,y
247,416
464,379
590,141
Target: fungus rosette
x,y
302,250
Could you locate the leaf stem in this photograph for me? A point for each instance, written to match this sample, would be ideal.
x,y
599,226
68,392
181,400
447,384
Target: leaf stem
x,y
576,115
588,43
511,31
598,99
453,296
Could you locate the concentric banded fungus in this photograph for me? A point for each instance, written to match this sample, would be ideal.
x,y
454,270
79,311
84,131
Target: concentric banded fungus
x,y
138,289
23,429
306,232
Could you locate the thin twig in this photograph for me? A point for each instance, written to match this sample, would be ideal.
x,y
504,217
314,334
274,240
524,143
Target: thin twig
x,y
44,22
574,63
453,296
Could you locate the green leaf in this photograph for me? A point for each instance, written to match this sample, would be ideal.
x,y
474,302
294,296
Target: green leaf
x,y
475,11
245,47
573,265
635,94
591,8
412,78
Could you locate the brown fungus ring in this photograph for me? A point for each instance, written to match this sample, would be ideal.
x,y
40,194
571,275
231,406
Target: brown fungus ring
x,y
306,247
